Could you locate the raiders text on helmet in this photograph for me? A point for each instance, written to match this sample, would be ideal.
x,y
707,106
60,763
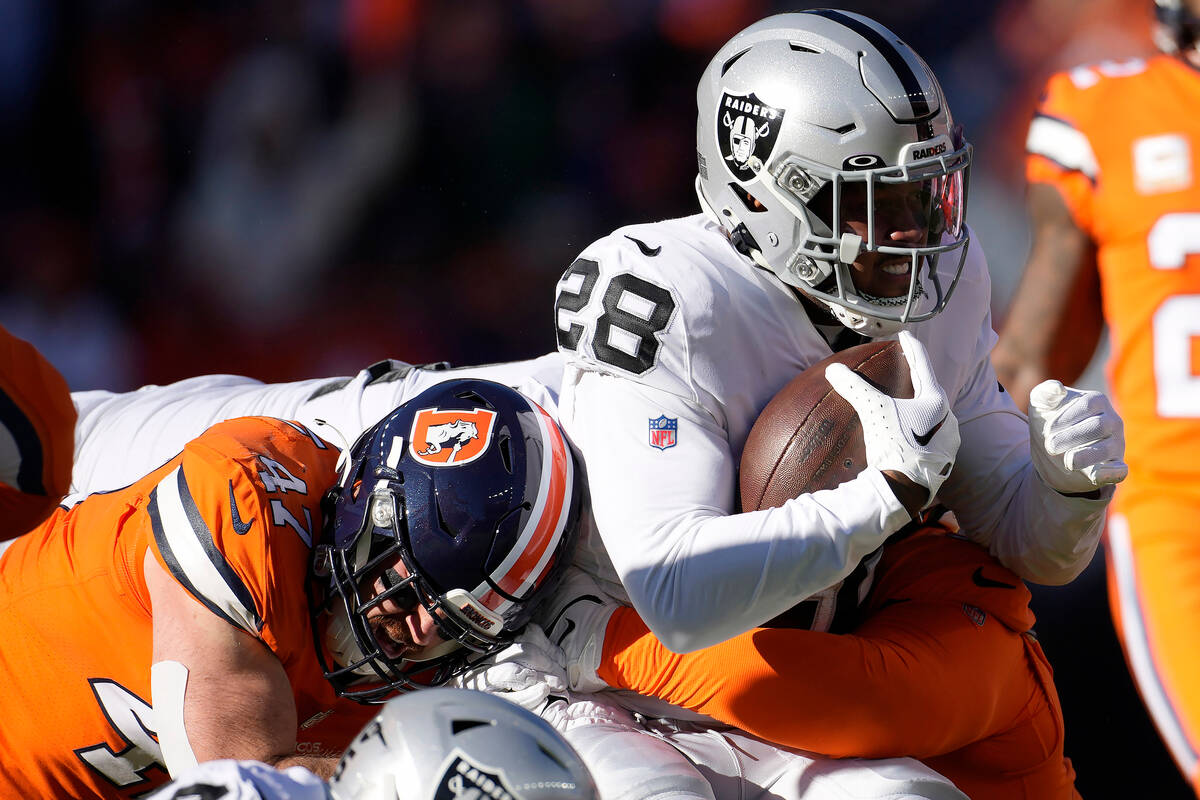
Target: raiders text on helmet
x,y
800,110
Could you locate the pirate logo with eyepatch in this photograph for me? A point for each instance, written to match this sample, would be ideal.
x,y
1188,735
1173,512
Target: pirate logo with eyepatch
x,y
746,126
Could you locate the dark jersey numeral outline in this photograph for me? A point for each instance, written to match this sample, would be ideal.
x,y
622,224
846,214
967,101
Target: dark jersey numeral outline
x,y
646,329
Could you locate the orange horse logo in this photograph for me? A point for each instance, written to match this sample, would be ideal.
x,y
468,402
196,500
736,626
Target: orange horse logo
x,y
450,438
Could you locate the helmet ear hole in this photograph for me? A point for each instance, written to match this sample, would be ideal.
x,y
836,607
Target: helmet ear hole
x,y
752,203
821,205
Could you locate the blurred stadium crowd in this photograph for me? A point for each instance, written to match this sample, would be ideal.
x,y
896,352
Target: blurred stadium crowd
x,y
294,188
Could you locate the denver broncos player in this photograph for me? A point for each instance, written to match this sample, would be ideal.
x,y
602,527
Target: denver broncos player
x,y
1114,190
37,426
176,618
943,666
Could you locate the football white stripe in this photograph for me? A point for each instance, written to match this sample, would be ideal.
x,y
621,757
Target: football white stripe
x,y
1059,142
188,550
1137,646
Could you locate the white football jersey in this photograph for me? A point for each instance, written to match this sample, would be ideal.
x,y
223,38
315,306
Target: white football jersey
x,y
119,437
674,343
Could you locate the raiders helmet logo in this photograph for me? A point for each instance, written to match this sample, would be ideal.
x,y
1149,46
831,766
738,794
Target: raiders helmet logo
x,y
746,127
462,780
450,438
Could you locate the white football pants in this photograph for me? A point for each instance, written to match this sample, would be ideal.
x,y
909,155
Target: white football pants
x,y
632,758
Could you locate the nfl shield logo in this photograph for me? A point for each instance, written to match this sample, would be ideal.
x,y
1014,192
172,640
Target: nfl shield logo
x,y
662,432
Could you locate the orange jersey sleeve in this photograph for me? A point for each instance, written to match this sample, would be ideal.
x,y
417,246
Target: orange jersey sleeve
x,y
1121,143
37,436
939,667
238,512
231,518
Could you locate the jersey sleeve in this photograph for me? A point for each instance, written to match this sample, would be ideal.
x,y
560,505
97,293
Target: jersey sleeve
x,y
994,490
122,436
937,664
37,422
234,522
696,571
1059,152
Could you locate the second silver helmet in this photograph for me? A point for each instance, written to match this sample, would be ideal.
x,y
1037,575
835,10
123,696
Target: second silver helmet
x,y
457,744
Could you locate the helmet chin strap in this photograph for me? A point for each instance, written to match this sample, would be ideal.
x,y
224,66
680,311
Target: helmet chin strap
x,y
870,327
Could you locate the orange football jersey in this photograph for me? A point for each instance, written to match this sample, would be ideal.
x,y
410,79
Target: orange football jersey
x,y
37,418
1121,142
232,518
942,668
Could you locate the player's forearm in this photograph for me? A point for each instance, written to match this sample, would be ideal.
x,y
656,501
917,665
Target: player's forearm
x,y
706,579
1056,536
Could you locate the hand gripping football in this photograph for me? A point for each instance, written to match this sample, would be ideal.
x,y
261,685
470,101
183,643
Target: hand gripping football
x,y
808,438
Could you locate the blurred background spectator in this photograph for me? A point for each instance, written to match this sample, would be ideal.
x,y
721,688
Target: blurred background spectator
x,y
293,188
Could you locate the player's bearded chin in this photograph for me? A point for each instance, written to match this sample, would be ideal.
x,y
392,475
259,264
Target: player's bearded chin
x,y
392,634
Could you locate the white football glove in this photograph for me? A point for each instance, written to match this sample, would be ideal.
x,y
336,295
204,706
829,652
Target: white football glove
x,y
526,672
1076,439
917,437
576,619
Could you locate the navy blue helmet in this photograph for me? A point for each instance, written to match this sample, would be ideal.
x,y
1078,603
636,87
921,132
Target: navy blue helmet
x,y
473,488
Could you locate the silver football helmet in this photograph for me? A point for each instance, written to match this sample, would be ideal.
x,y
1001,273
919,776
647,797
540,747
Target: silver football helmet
x,y
800,113
458,744
1177,29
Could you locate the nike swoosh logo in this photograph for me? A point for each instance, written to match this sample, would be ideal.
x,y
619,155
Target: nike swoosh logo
x,y
646,249
239,527
923,438
987,583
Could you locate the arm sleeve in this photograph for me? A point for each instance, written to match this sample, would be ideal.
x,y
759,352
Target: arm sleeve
x,y
1059,152
121,436
934,668
234,523
1002,503
697,572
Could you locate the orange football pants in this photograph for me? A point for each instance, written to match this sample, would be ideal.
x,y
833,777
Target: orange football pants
x,y
37,413
943,668
1153,549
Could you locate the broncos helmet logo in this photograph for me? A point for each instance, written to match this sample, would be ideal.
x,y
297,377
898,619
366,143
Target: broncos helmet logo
x,y
450,438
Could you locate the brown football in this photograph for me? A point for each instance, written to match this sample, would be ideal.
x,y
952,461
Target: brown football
x,y
809,438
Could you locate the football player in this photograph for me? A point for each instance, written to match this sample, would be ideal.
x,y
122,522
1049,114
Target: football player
x,y
175,619
1114,194
37,425
842,222
628,762
431,745
944,667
